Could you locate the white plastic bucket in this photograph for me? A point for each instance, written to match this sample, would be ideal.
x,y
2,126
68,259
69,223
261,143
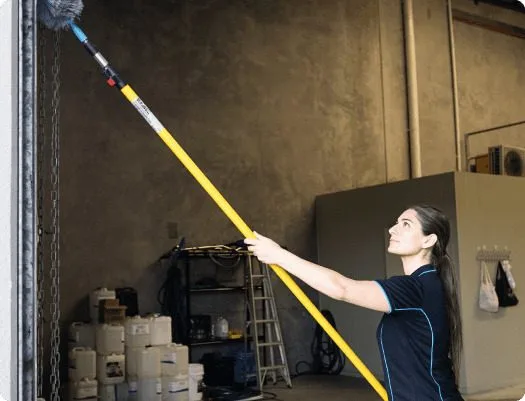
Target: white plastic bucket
x,y
160,329
149,389
94,299
81,335
148,363
173,359
85,389
110,339
122,390
107,392
82,364
132,390
131,363
111,369
143,362
137,332
175,388
196,371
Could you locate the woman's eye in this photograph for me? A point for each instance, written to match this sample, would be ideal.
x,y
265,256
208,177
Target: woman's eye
x,y
405,224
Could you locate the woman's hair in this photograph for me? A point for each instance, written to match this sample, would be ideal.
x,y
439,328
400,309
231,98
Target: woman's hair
x,y
433,221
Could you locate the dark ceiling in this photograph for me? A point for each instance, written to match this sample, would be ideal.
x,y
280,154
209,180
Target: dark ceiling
x,y
510,4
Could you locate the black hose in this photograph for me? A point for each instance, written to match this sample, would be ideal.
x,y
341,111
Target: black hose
x,y
327,357
171,295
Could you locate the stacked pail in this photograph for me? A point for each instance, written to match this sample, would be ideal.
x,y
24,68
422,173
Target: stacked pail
x,y
82,373
196,380
111,360
133,360
174,369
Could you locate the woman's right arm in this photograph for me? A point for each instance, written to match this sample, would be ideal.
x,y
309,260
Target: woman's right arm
x,y
367,294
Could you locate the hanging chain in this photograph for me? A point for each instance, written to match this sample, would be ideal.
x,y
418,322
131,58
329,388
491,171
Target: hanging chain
x,y
41,135
55,223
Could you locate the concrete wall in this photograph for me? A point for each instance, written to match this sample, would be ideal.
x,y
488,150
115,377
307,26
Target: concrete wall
x,y
489,69
490,213
434,80
491,77
275,101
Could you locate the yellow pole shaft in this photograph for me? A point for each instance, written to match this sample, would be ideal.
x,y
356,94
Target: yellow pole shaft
x,y
185,159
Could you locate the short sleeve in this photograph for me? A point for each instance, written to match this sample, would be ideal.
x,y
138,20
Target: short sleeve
x,y
402,292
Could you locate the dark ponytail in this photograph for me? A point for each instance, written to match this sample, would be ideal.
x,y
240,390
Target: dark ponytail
x,y
447,273
433,221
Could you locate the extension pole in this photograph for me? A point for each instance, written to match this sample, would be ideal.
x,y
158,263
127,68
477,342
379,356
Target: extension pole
x,y
114,80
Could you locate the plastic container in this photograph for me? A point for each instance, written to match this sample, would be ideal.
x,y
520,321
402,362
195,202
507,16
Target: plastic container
x,y
143,363
94,298
175,388
131,362
81,335
110,311
196,371
137,332
149,389
132,390
149,363
82,364
173,359
221,328
109,339
122,392
111,369
160,329
85,389
107,392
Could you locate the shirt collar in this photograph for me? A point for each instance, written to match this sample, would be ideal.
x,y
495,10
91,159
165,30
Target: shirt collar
x,y
423,270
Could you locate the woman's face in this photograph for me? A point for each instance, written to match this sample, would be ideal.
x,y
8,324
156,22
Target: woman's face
x,y
406,236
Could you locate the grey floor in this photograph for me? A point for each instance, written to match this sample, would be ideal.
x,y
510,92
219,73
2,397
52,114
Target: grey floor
x,y
335,388
320,388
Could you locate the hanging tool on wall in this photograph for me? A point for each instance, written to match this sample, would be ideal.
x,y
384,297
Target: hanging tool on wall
x,y
59,14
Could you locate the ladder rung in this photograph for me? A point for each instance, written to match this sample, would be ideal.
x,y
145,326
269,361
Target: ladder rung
x,y
267,321
270,344
272,367
263,321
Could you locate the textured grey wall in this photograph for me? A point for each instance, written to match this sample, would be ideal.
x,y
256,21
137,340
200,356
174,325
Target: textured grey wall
x,y
485,218
275,101
491,77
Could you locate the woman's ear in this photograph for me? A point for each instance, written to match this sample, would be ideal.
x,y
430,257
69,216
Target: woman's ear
x,y
430,241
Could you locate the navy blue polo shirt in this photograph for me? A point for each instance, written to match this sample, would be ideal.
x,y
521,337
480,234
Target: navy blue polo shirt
x,y
414,339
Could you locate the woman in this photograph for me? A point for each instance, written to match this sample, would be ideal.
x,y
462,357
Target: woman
x,y
419,335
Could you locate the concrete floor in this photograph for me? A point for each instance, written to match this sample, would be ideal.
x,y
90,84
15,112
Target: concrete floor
x,y
333,388
339,388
